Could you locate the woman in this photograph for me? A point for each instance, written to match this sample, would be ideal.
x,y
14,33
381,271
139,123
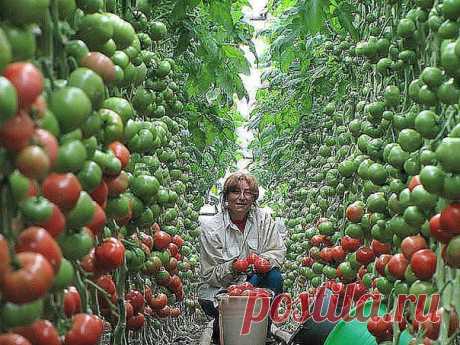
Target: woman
x,y
239,229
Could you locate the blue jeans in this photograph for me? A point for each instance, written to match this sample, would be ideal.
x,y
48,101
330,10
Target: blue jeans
x,y
272,280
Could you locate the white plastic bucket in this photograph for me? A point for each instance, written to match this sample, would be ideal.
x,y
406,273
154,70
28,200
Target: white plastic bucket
x,y
231,316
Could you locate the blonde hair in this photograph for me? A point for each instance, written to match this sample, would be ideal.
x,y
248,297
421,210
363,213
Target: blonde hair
x,y
233,181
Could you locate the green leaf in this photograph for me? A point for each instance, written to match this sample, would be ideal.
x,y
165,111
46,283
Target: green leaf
x,y
183,42
314,18
286,59
179,11
232,52
344,14
221,11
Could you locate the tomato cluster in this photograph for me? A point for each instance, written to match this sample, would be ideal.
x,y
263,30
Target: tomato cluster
x,y
98,218
252,263
247,289
373,197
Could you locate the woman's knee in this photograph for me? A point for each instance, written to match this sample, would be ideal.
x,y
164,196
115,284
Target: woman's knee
x,y
275,280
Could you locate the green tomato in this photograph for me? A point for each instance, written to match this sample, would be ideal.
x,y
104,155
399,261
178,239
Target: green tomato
x,y
71,106
65,275
8,100
36,209
112,126
71,156
15,315
90,82
82,213
75,245
90,176
24,11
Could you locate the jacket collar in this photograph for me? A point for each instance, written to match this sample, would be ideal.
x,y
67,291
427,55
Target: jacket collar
x,y
227,221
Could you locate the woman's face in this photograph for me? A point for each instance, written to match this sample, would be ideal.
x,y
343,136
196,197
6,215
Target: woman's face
x,y
240,199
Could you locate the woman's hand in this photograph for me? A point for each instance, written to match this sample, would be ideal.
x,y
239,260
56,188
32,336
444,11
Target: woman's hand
x,y
240,265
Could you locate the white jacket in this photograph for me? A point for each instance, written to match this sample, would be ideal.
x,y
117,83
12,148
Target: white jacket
x,y
221,242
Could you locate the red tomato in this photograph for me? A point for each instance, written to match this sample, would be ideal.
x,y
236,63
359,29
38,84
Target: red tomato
x,y
361,272
72,301
307,261
326,254
350,244
33,188
438,231
165,312
161,239
180,295
121,152
16,132
136,298
28,81
175,283
55,225
354,212
62,189
5,259
106,282
262,265
100,194
33,162
98,222
172,264
245,286
381,262
397,265
431,326
338,254
49,143
88,262
41,332
240,265
423,263
147,240
100,64
378,325
178,241
118,184
39,107
31,281
110,254
135,322
86,330
158,302
317,240
414,182
365,255
251,258
411,244
450,219
380,248
174,312
236,291
129,310
13,339
38,240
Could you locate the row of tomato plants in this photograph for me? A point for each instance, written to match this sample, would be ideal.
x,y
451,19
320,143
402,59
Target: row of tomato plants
x,y
372,200
99,215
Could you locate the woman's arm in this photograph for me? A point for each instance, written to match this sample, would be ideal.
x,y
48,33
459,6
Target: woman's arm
x,y
215,270
273,247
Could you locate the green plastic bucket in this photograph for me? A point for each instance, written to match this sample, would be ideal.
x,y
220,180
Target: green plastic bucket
x,y
355,332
